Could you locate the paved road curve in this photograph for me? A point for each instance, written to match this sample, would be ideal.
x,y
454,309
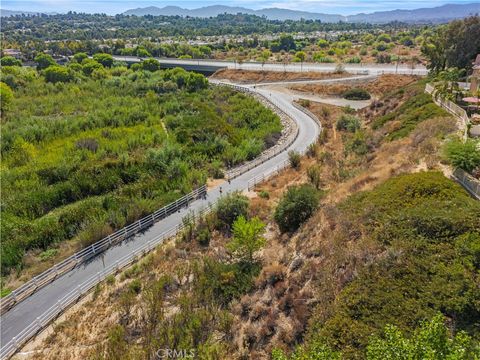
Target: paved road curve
x,y
26,312
372,69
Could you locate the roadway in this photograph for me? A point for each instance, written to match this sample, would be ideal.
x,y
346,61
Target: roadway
x,y
212,65
27,311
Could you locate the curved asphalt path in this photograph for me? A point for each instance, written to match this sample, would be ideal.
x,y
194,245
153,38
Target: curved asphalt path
x,y
26,312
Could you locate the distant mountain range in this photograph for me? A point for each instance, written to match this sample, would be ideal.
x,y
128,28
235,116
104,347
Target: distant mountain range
x,y
436,14
5,13
214,10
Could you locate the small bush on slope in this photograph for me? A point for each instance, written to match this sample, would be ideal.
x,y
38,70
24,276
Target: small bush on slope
x,y
463,155
296,206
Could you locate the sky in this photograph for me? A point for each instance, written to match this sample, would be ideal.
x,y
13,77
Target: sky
x,y
343,7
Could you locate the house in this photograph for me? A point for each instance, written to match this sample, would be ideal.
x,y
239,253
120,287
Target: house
x,y
12,52
475,78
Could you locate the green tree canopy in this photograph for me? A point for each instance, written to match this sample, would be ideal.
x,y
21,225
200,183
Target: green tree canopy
x,y
6,96
89,65
453,45
431,341
151,64
105,59
10,61
247,238
56,73
43,61
79,57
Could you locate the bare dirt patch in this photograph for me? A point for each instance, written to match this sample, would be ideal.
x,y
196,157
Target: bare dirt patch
x,y
246,76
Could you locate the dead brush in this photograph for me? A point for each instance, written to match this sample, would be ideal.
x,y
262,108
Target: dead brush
x,y
270,275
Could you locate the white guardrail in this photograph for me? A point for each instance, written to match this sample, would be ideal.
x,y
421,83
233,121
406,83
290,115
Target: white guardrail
x,y
284,164
451,107
73,296
267,155
69,263
79,257
471,184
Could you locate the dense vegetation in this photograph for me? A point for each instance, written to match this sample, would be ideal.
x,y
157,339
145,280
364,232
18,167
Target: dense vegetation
x,y
429,230
432,340
96,26
453,45
356,94
89,153
417,107
239,37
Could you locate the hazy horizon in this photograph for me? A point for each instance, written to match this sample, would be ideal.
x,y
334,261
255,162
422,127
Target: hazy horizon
x,y
343,7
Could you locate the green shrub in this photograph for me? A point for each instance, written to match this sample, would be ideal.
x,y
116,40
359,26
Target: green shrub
x,y
55,74
110,279
464,155
10,61
348,123
151,65
433,337
79,57
295,159
44,61
6,97
135,286
348,110
221,282
295,207
354,60
264,194
247,238
356,94
229,208
105,59
204,236
90,65
357,144
48,254
312,149
384,58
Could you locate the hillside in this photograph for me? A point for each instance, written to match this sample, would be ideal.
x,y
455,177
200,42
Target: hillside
x,y
392,241
442,13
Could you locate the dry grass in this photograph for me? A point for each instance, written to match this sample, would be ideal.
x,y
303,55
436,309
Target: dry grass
x,y
380,86
247,76
301,271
